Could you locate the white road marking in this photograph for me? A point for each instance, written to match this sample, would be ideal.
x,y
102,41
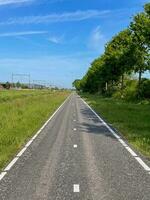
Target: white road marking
x,y
11,164
131,151
28,144
75,145
33,138
116,136
122,142
76,188
21,152
2,175
140,161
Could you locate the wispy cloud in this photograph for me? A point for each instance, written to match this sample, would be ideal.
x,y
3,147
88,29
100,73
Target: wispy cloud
x,y
56,39
9,2
22,33
97,40
53,18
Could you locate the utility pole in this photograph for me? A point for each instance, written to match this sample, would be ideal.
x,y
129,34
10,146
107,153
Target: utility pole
x,y
20,77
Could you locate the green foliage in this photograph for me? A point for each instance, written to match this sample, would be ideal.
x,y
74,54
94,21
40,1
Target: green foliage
x,y
76,84
128,52
140,28
144,90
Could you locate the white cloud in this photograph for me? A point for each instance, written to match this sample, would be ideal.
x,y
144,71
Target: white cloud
x,y
56,39
52,18
97,40
22,33
8,2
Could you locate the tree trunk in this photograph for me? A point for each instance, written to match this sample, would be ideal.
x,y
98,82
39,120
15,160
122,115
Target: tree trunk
x,y
106,86
140,76
122,82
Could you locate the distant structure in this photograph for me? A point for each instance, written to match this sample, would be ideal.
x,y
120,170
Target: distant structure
x,y
20,77
39,84
23,81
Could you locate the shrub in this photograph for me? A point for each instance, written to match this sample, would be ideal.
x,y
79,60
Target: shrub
x,y
144,89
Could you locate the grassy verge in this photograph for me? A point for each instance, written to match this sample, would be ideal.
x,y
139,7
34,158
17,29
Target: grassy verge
x,y
132,120
22,113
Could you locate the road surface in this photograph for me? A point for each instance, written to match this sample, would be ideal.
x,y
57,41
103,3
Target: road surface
x,y
76,157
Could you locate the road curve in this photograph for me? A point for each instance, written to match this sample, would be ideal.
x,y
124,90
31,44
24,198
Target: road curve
x,y
76,157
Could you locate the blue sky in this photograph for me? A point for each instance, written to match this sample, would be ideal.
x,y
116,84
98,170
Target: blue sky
x,y
56,40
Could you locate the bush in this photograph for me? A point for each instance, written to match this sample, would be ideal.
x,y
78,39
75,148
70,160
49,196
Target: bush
x,y
144,89
128,93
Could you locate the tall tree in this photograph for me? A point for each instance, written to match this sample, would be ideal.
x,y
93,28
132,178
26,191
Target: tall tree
x,y
140,27
118,56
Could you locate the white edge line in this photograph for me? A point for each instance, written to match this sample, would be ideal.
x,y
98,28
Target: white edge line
x,y
21,152
140,161
122,142
10,165
28,144
131,151
2,175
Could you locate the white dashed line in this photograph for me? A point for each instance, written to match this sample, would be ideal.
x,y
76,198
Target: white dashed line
x,y
140,161
75,145
76,188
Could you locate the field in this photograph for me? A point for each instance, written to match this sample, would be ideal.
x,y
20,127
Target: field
x,y
22,113
132,120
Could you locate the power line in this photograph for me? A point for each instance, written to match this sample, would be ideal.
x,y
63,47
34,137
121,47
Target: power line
x,y
20,77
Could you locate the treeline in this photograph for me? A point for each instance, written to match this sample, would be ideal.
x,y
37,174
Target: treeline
x,y
128,52
9,85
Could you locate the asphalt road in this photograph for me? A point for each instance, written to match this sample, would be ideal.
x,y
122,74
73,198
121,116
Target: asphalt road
x,y
98,167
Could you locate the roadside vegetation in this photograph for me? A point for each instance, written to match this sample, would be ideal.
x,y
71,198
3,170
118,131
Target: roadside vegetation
x,y
22,113
116,83
126,54
132,120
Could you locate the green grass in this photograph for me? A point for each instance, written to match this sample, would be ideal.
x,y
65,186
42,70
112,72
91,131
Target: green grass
x,y
131,119
7,95
22,113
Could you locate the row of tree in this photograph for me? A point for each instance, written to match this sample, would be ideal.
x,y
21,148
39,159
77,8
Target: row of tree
x,y
128,52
